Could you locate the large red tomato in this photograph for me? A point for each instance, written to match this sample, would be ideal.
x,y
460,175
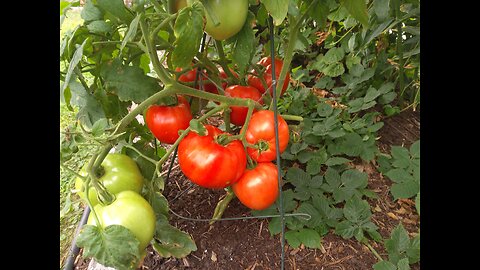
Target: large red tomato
x,y
258,187
256,82
239,113
165,121
209,164
261,132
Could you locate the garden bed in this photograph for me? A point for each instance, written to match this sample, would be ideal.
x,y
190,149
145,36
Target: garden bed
x,y
247,244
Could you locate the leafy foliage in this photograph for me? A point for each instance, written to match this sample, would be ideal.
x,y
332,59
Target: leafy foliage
x,y
352,61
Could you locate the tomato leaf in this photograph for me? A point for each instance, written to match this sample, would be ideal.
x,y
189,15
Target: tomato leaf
x,y
90,12
129,83
132,31
115,246
358,9
188,31
172,242
116,8
90,110
77,56
277,8
243,45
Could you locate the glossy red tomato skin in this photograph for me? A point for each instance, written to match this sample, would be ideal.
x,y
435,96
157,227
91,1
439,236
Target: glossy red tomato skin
x,y
256,82
257,189
165,121
239,113
209,164
262,128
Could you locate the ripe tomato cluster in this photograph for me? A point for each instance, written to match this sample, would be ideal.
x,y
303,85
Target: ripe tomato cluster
x,y
216,159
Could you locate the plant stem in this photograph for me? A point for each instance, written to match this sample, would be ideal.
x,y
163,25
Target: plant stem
x,y
222,205
292,117
164,23
292,37
223,60
374,251
399,49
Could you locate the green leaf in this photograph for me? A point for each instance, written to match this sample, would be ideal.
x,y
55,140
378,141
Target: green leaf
x,y
99,127
129,83
351,145
336,161
403,264
357,210
325,82
172,242
297,147
115,246
332,178
310,238
345,229
117,8
415,149
381,8
387,98
90,12
197,127
358,9
324,109
292,239
90,110
99,27
188,31
277,8
399,175
413,251
316,217
77,56
314,165
334,70
132,31
354,178
334,55
319,13
244,45
405,190
371,94
297,176
398,243
384,265
355,105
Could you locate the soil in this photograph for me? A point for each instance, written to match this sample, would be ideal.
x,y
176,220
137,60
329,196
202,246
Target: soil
x,y
248,245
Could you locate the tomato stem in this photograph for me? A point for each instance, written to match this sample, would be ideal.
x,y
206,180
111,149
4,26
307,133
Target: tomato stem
x,y
222,205
223,61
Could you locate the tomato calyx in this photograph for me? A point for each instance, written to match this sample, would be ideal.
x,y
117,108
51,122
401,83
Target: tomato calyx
x,y
223,139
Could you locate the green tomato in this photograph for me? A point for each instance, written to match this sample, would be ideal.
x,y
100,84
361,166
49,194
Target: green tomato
x,y
231,15
130,210
120,172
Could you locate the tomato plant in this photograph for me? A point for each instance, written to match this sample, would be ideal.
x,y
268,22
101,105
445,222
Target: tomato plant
x,y
261,132
166,121
130,210
255,81
117,173
238,114
258,187
200,158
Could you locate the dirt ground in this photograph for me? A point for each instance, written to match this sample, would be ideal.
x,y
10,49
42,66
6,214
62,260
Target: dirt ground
x,y
247,244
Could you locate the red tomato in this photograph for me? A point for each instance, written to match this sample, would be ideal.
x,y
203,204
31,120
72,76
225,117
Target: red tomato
x,y
261,131
239,113
165,121
258,188
207,84
209,164
256,82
